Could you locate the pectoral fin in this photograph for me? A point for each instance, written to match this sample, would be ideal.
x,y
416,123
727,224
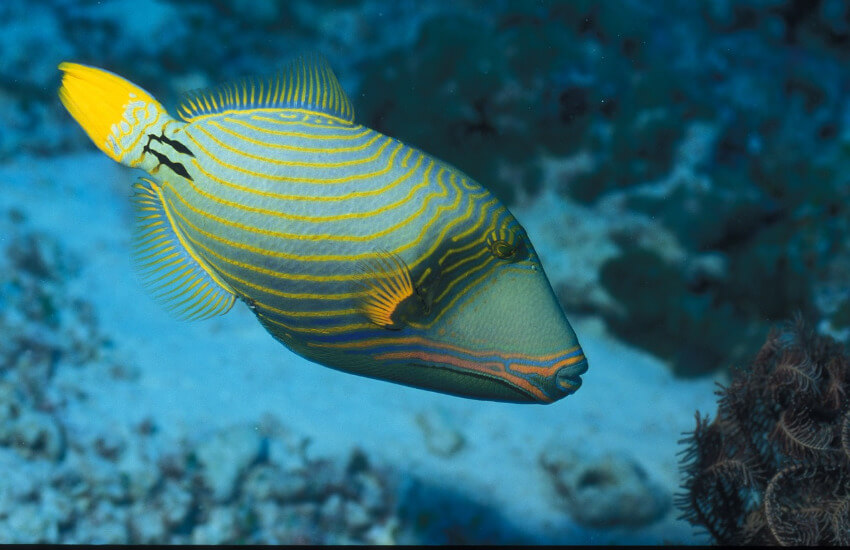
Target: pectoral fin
x,y
390,299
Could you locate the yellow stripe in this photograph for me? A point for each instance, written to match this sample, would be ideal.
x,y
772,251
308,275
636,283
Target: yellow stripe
x,y
464,248
465,275
321,330
467,258
293,236
320,236
307,115
264,271
407,341
354,215
474,284
328,150
354,195
142,133
349,179
341,313
485,206
457,220
305,277
269,290
458,250
365,160
471,185
189,118
188,248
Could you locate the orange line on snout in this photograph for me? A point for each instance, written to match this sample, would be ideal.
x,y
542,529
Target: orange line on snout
x,y
549,370
464,364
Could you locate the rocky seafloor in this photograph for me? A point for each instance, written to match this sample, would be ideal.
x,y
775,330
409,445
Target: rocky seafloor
x,y
680,167
249,482
752,208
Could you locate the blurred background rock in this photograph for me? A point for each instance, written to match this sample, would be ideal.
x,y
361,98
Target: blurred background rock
x,y
684,166
720,126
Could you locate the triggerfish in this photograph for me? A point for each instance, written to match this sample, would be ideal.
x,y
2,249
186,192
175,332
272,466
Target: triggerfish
x,y
353,249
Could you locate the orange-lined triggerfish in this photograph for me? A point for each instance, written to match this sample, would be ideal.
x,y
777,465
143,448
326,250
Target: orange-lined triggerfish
x,y
353,249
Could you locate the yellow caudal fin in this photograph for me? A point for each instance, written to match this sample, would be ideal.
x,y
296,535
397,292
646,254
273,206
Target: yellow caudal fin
x,y
112,110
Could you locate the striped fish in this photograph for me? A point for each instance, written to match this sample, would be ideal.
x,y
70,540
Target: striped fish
x,y
353,249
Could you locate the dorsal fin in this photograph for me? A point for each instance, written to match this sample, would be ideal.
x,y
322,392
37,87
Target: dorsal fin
x,y
306,83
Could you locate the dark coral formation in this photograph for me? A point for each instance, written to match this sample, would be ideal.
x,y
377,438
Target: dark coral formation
x,y
253,482
735,143
773,467
605,490
496,89
43,327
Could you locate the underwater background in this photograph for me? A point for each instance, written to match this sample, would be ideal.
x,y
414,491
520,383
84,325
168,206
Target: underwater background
x,y
681,168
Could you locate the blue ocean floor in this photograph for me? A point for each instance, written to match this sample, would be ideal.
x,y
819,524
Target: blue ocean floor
x,y
192,380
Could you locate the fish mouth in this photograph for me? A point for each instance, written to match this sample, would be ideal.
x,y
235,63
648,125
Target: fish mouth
x,y
568,378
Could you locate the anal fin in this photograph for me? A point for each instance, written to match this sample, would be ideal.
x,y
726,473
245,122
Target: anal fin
x,y
171,270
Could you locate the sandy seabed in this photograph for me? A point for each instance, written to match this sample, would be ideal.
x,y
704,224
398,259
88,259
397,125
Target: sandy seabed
x,y
197,377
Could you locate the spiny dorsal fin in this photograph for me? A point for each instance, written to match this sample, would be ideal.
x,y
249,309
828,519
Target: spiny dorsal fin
x,y
306,83
174,274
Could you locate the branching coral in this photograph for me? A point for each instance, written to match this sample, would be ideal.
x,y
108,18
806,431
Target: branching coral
x,y
773,467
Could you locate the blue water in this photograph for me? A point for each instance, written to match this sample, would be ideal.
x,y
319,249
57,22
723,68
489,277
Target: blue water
x,y
680,168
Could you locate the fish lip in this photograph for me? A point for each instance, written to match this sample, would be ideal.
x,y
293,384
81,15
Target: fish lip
x,y
568,378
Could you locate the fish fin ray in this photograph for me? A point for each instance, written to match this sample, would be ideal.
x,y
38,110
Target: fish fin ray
x,y
112,110
175,276
306,83
386,284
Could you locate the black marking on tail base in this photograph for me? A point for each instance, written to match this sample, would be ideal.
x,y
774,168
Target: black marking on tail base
x,y
176,167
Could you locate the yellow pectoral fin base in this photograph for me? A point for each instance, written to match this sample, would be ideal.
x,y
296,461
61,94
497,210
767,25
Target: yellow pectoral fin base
x,y
176,276
389,297
104,104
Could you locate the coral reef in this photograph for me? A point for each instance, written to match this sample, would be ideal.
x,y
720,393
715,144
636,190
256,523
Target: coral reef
x,y
773,467
604,491
738,185
110,483
442,438
719,144
145,490
246,483
719,157
43,327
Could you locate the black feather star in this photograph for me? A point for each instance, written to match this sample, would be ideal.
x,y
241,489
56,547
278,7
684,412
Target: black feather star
x,y
773,467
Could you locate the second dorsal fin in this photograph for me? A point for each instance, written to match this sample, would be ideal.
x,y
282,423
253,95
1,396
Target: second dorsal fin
x,y
306,83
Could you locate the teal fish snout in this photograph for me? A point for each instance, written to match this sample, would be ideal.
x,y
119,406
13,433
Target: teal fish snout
x,y
568,379
517,328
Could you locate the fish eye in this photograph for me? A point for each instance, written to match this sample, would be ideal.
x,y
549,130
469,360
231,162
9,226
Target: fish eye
x,y
506,245
503,249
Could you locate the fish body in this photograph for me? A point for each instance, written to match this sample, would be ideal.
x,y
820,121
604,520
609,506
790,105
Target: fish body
x,y
353,249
